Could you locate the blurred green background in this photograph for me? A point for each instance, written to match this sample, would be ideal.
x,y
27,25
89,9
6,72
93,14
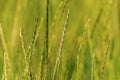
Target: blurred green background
x,y
104,23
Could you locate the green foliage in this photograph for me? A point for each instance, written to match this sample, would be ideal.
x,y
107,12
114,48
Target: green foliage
x,y
59,39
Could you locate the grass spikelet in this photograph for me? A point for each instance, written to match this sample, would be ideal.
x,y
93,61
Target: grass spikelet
x,y
76,74
90,43
39,77
6,69
56,69
5,75
64,5
30,49
92,68
22,42
78,61
105,58
57,13
23,49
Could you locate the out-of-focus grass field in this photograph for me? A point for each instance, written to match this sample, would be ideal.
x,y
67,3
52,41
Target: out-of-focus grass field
x,y
91,48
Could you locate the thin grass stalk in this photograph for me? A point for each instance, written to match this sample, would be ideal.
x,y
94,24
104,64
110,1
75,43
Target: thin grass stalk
x,y
45,57
92,68
3,39
105,58
56,69
47,29
118,7
96,22
15,25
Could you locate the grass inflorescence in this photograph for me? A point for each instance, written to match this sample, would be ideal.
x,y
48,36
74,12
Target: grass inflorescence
x,y
6,69
70,44
56,69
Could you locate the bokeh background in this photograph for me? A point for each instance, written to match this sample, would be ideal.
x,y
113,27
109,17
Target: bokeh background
x,y
103,24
